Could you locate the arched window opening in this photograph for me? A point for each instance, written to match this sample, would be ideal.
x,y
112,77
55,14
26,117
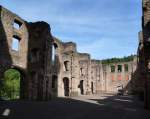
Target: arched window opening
x,y
54,47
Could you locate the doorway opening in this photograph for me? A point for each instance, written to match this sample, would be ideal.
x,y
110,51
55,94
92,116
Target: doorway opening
x,y
81,87
66,86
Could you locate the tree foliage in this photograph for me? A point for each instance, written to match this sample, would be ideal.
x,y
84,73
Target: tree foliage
x,y
117,60
10,85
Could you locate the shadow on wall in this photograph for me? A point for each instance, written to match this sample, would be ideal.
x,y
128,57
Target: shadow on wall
x,y
146,64
5,57
139,80
39,60
136,85
7,53
56,71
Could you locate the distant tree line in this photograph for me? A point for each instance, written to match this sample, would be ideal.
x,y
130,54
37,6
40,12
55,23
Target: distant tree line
x,y
117,60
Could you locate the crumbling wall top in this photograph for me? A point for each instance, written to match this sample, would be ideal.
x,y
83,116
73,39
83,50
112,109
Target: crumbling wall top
x,y
84,56
93,61
6,11
69,46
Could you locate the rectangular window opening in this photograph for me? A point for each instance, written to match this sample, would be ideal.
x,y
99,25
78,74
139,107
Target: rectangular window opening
x,y
112,69
53,54
17,24
126,67
119,68
15,43
66,65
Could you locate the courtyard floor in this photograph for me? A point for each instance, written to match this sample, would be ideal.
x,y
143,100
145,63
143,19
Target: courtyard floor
x,y
102,106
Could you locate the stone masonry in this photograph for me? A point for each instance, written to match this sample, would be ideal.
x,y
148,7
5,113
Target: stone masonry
x,y
52,68
33,56
77,74
144,52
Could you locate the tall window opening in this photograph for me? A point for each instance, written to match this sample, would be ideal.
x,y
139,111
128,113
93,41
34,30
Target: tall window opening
x,y
53,53
81,71
112,69
15,43
66,64
54,47
119,68
66,86
126,67
81,87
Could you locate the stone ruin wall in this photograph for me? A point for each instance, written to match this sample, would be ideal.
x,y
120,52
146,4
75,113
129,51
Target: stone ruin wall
x,y
144,52
44,78
87,76
85,73
29,59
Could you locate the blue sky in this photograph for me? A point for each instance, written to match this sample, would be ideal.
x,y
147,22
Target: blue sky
x,y
103,28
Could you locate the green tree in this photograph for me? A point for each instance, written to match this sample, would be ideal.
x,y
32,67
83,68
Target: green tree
x,y
117,60
10,88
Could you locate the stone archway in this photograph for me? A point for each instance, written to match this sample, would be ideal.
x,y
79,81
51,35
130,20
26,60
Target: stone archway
x,y
66,86
12,84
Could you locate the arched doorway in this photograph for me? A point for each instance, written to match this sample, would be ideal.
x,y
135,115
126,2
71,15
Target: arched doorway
x,y
66,86
81,87
10,85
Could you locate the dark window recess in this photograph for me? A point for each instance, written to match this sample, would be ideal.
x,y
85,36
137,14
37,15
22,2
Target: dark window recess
x,y
17,24
66,64
119,68
126,67
112,68
81,71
